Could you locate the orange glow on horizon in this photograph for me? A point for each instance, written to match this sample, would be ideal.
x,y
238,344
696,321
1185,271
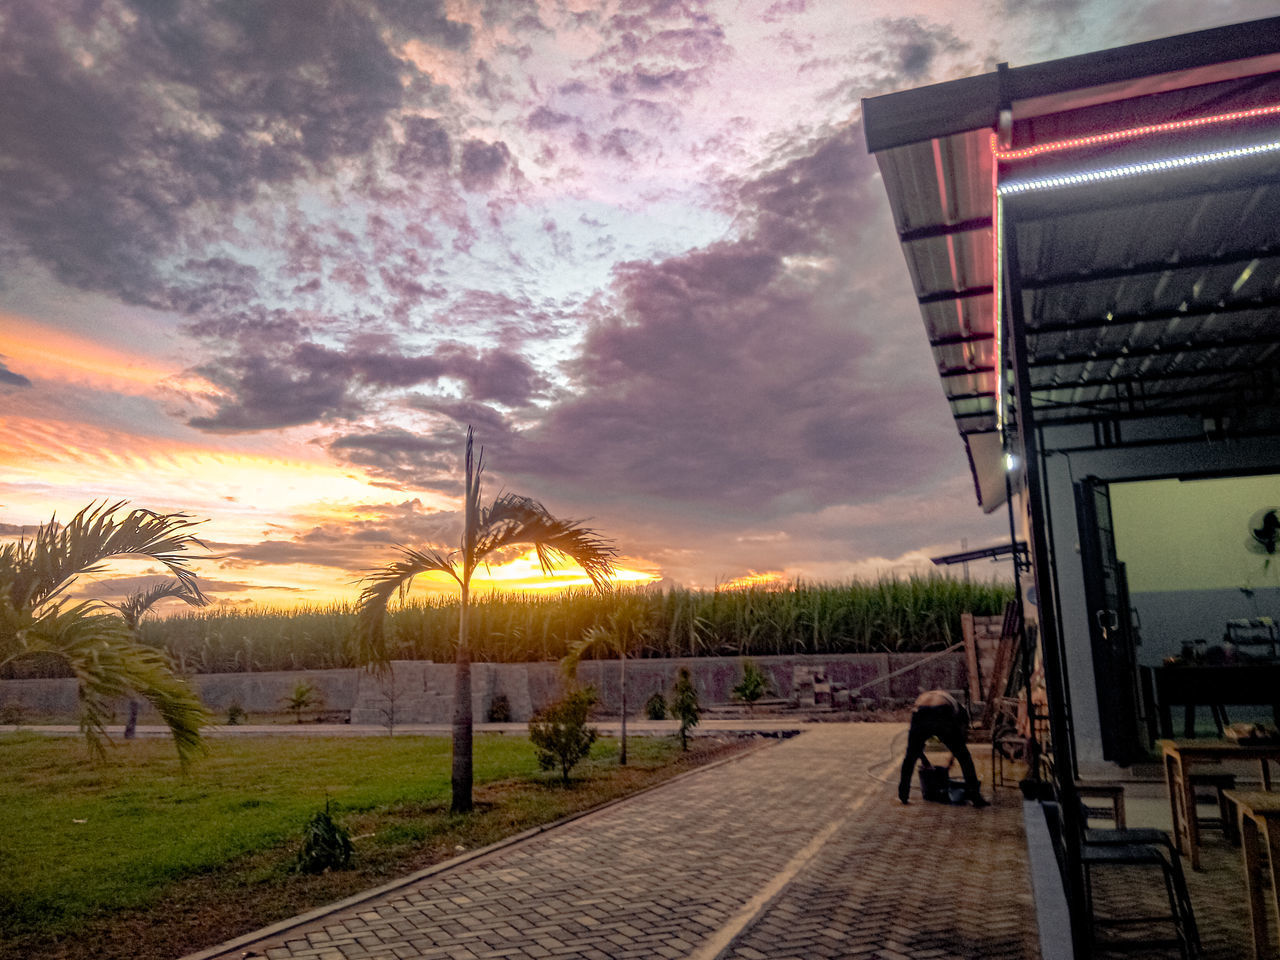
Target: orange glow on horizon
x,y
750,579
524,573
64,356
62,466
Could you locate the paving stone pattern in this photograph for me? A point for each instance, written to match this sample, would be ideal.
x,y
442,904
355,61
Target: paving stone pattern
x,y
792,851
1217,896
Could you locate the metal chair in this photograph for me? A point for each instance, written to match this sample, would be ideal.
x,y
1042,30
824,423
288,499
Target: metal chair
x,y
1135,847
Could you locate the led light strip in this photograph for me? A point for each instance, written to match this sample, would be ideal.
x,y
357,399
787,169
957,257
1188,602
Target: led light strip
x,y
1101,138
1012,187
997,282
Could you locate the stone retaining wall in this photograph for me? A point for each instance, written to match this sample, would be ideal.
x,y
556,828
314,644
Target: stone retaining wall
x,y
423,691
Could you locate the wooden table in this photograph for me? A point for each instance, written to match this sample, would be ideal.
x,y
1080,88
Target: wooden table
x,y
1180,759
1259,826
1255,683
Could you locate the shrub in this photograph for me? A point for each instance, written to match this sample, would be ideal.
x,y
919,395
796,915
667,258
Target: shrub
x,y
326,845
560,734
753,686
685,706
13,713
500,709
655,708
236,714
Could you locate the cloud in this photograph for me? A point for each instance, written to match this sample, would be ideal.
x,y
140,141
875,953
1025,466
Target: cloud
x,y
12,379
115,588
353,546
914,44
402,458
483,163
269,386
130,122
426,20
754,377
782,9
544,118
659,50
896,53
426,147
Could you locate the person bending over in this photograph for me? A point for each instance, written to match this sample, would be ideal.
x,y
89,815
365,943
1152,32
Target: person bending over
x,y
938,714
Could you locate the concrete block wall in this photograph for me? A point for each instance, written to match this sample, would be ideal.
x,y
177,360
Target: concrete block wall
x,y
423,691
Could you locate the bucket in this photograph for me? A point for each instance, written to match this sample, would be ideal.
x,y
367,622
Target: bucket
x,y
938,786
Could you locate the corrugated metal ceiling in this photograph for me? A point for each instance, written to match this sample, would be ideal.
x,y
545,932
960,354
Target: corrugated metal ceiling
x,y
1143,295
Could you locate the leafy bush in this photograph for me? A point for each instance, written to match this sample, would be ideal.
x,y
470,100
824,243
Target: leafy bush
x,y
236,714
753,686
560,734
685,706
655,708
13,713
326,845
500,709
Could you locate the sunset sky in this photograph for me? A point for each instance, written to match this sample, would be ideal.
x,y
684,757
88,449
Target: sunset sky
x,y
263,262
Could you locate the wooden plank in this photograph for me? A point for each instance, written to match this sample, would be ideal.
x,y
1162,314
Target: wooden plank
x,y
971,654
1010,632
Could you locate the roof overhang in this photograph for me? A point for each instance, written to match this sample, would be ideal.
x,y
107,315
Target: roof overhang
x,y
1137,196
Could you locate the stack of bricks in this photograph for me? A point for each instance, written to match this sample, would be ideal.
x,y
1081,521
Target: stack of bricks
x,y
981,643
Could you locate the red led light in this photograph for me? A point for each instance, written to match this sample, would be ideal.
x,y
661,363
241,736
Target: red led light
x,y
997,278
1101,138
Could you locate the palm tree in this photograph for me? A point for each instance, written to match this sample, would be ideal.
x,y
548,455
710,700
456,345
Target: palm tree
x,y
139,603
99,647
626,633
136,606
510,520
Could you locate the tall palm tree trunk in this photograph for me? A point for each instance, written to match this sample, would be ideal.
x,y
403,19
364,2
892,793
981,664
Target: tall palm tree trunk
x,y
462,769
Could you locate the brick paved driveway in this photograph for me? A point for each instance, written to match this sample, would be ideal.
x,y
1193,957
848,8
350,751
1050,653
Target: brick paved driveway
x,y
794,850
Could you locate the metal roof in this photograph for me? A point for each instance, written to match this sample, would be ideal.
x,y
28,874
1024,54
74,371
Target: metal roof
x,y
1140,229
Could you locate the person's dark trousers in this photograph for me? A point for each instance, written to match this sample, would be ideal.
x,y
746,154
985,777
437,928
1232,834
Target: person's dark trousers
x,y
940,722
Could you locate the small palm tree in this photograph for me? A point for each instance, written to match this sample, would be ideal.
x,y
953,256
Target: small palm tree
x,y
627,632
509,521
99,647
136,606
139,603
304,695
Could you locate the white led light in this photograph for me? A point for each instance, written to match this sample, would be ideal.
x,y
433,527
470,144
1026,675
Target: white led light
x,y
1134,169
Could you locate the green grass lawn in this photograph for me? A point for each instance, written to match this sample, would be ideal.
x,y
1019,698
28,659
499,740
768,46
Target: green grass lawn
x,y
87,846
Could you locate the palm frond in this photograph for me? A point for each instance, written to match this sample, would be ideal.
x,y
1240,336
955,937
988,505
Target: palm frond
x,y
380,587
135,606
513,519
473,470
42,568
109,665
594,637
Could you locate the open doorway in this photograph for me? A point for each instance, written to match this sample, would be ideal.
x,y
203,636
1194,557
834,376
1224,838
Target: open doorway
x,y
1192,558
1203,572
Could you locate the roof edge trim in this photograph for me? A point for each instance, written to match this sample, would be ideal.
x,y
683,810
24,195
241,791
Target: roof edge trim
x,y
971,103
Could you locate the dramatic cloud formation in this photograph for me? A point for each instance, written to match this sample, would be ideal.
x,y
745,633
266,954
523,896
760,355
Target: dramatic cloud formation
x,y
266,260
